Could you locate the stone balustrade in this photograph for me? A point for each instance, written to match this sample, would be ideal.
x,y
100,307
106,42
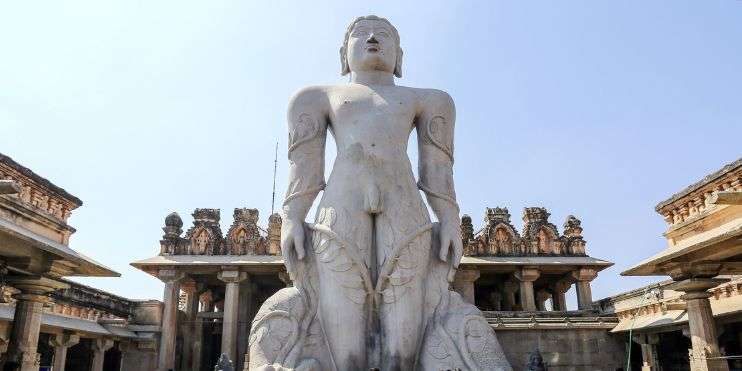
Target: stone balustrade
x,y
205,237
700,196
539,237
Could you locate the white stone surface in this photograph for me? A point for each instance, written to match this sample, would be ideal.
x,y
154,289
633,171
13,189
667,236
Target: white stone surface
x,y
372,273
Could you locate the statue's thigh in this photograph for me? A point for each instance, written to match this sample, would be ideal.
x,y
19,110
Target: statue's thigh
x,y
403,294
343,292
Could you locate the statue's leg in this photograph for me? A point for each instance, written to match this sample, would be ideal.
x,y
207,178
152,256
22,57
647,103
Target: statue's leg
x,y
403,294
341,243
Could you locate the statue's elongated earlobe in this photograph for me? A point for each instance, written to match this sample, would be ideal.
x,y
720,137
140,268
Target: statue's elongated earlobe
x,y
344,69
398,64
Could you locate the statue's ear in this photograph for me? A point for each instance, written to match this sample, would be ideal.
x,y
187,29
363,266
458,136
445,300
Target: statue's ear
x,y
398,64
344,69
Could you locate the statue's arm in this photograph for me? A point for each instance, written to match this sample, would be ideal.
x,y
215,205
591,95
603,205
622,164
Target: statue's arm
x,y
435,127
307,119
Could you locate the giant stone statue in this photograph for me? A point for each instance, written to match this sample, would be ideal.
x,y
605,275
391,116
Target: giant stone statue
x,y
371,274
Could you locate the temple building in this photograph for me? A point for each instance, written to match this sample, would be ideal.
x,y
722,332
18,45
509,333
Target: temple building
x,y
521,279
693,320
215,282
46,320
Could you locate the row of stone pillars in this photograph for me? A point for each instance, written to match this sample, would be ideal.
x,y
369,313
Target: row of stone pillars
x,y
238,301
522,285
705,354
62,342
22,353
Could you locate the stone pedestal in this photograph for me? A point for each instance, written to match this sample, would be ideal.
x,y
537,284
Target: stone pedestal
x,y
61,343
584,293
463,283
100,346
702,327
232,278
168,334
650,358
24,337
526,276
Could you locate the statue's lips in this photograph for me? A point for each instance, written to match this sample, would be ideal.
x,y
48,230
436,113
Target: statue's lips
x,y
372,49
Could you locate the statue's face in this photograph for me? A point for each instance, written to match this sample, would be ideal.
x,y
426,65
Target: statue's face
x,y
372,47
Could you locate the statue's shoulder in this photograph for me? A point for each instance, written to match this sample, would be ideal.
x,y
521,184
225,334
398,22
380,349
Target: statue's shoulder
x,y
430,98
314,96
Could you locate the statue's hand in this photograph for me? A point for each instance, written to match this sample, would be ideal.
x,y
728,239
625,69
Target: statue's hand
x,y
450,236
292,237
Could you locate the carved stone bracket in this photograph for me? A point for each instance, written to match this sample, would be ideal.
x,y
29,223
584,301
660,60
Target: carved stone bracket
x,y
682,270
170,275
527,274
584,274
232,276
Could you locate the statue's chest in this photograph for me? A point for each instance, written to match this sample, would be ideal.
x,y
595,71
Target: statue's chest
x,y
373,109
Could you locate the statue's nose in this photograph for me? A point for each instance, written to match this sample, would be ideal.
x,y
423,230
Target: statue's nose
x,y
372,39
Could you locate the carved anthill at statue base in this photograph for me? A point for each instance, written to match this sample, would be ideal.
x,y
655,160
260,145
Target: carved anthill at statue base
x,y
371,274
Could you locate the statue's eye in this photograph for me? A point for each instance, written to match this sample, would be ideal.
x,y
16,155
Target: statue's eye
x,y
359,32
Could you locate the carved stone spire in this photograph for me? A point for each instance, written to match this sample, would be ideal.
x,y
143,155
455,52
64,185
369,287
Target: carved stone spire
x,y
205,236
171,239
467,229
497,214
574,244
572,227
540,236
244,236
173,225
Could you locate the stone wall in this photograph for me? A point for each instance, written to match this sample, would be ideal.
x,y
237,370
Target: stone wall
x,y
564,349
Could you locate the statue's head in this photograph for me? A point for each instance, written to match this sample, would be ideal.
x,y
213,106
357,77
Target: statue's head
x,y
371,44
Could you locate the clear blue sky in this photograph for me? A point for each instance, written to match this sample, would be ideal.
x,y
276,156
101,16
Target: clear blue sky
x,y
597,109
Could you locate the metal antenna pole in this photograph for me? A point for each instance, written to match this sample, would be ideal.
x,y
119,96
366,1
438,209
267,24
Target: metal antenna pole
x,y
275,168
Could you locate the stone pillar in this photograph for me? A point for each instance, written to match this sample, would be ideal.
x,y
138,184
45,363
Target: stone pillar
x,y
541,297
24,337
558,295
584,293
199,345
650,358
526,276
463,283
191,311
705,346
168,334
231,311
61,343
100,346
245,316
509,288
496,300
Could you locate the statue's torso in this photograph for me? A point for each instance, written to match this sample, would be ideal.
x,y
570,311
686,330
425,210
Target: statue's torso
x,y
371,127
378,118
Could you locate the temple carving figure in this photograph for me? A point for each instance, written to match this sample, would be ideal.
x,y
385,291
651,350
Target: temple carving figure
x,y
371,274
